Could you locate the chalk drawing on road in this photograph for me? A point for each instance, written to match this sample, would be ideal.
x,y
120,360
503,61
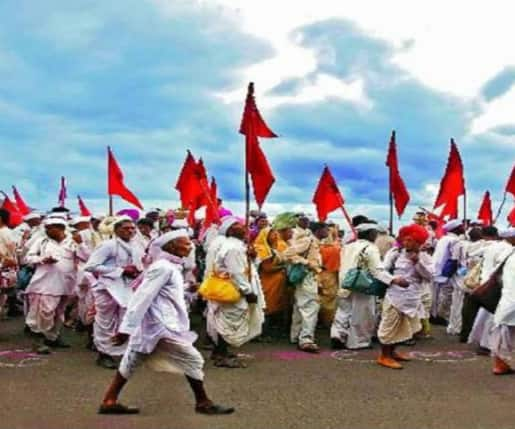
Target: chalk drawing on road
x,y
20,358
443,356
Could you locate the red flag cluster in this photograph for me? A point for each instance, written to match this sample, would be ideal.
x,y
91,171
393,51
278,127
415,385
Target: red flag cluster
x,y
23,208
15,217
398,189
84,211
115,184
253,126
485,211
452,185
195,192
510,188
327,197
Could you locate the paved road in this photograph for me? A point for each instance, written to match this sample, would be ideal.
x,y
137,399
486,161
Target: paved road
x,y
447,386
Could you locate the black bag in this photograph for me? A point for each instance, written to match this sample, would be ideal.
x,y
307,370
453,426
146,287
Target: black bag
x,y
489,293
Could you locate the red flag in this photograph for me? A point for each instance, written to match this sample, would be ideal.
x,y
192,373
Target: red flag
x,y
397,187
82,207
253,126
510,186
184,179
452,184
199,186
20,203
511,217
115,185
485,211
62,193
212,206
327,197
15,217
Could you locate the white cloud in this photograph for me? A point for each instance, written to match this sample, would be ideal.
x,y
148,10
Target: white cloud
x,y
500,111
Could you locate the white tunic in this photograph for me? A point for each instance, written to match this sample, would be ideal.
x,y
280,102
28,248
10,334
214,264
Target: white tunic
x,y
443,252
108,262
53,279
505,312
157,310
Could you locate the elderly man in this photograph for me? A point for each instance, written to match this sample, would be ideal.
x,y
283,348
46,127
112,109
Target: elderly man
x,y
354,324
447,257
53,281
237,323
158,329
115,263
502,339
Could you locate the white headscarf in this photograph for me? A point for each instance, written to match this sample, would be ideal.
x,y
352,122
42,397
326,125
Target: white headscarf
x,y
169,236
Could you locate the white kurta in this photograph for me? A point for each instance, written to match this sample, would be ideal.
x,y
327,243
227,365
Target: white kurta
x,y
503,332
355,319
53,279
237,323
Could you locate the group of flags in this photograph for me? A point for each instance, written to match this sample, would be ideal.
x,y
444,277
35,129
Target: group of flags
x,y
196,191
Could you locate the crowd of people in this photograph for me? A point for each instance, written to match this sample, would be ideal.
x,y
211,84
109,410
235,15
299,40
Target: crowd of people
x,y
131,283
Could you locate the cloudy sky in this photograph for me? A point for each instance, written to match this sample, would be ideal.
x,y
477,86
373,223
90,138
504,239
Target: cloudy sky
x,y
153,78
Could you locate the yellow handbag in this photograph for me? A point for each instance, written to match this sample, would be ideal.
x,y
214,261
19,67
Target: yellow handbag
x,y
219,289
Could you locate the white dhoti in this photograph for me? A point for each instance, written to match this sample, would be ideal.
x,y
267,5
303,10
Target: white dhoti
x,y
396,327
442,299
355,320
427,298
455,317
502,343
305,311
168,356
108,317
45,314
481,330
237,323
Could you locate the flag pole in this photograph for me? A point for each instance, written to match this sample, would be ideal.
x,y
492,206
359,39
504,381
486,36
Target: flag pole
x,y
500,208
110,205
247,190
348,219
390,226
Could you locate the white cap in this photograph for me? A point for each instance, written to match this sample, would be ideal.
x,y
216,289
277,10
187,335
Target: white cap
x,y
179,223
507,233
227,222
368,227
452,224
55,221
169,236
120,219
80,219
31,216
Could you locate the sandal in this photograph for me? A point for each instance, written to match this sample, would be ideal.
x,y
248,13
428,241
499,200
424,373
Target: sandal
x,y
230,363
309,348
213,409
117,408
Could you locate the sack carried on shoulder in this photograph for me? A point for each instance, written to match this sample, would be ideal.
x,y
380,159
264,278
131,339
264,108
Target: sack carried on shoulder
x,y
296,273
360,280
472,279
218,289
489,293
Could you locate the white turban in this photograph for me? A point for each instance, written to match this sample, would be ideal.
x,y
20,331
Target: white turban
x,y
120,219
169,236
55,221
80,219
452,224
362,227
227,222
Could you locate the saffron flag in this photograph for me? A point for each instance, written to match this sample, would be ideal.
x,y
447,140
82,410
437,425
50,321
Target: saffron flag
x,y
115,185
510,186
452,184
62,193
398,189
197,189
15,217
253,126
184,180
485,211
327,197
20,203
82,207
212,206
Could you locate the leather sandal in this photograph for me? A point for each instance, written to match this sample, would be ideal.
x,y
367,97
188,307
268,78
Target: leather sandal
x,y
117,409
309,348
389,362
213,409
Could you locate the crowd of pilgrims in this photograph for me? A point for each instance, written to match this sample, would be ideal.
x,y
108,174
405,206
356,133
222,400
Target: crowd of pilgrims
x,y
129,285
